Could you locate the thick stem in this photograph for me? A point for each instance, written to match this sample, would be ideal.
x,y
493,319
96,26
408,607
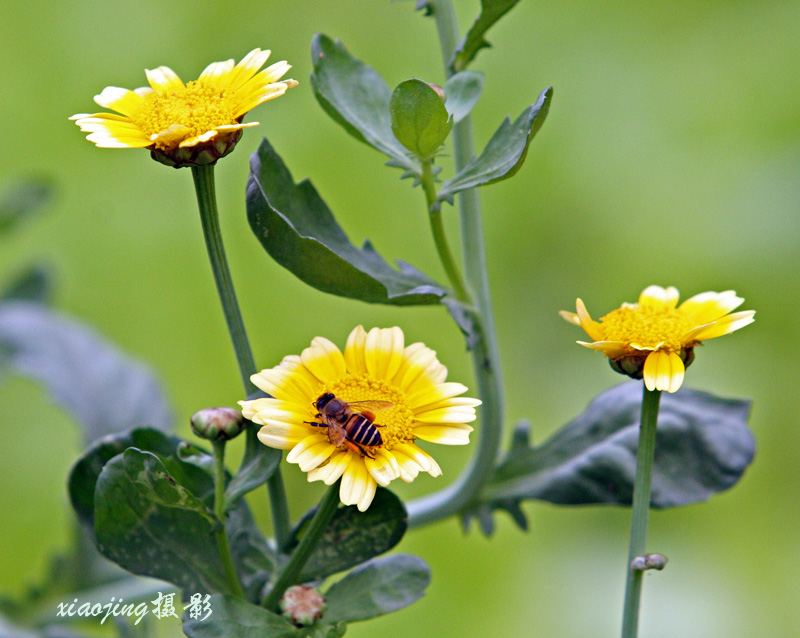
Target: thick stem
x,y
485,356
645,455
325,511
209,217
219,509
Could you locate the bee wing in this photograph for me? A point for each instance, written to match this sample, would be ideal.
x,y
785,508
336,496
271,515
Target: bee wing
x,y
372,406
335,434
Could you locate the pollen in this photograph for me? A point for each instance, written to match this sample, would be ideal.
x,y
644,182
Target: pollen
x,y
647,327
396,423
200,106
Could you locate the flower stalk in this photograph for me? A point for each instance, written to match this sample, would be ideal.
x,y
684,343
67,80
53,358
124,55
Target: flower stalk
x,y
485,355
641,508
219,510
327,508
209,217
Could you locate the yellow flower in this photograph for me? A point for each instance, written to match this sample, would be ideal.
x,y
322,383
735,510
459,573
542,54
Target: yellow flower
x,y
186,124
655,338
376,366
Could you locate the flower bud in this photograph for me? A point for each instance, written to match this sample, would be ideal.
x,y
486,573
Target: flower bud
x,y
217,424
302,605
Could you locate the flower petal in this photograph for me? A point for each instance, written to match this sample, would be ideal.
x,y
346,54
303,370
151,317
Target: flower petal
x,y
450,434
663,370
282,436
383,352
726,325
611,349
120,100
324,360
164,80
330,472
354,351
659,297
357,486
710,306
591,327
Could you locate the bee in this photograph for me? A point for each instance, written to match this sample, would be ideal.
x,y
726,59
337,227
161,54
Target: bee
x,y
351,423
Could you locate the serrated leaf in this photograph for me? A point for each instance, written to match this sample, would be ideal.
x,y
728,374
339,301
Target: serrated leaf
x,y
420,120
298,230
104,389
22,199
462,91
353,537
504,153
32,284
232,617
467,49
703,446
378,587
356,97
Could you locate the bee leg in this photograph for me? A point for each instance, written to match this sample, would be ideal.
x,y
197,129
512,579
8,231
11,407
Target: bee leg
x,y
315,424
355,447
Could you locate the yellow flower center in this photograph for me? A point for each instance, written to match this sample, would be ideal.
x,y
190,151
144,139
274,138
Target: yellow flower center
x,y
200,106
646,326
395,423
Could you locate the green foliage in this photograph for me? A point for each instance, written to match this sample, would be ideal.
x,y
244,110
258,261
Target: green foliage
x,y
353,537
138,497
33,284
420,120
21,200
703,446
378,587
356,97
462,91
298,230
491,12
232,617
254,471
104,389
504,153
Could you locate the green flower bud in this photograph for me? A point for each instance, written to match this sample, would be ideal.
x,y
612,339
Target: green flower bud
x,y
217,424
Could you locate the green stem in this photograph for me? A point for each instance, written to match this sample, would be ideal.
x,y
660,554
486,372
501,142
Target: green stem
x,y
209,217
641,508
439,237
219,509
325,511
485,355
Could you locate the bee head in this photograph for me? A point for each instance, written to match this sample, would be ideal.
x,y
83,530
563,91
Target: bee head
x,y
323,400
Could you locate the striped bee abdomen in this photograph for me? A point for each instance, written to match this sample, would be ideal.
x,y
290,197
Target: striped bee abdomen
x,y
362,431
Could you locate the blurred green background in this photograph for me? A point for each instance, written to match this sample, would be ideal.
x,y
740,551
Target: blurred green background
x,y
670,156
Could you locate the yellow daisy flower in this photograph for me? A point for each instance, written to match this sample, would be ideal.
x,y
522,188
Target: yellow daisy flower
x,y
405,392
186,124
655,338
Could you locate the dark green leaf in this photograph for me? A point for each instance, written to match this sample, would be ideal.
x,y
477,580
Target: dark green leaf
x,y
103,388
353,537
232,617
148,474
356,97
378,587
33,284
491,12
254,471
461,92
299,232
419,119
703,446
505,152
22,199
135,520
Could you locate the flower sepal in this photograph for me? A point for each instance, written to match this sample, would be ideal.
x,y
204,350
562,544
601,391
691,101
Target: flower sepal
x,y
201,154
632,365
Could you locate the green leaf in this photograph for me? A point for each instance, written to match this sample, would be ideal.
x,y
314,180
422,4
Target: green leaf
x,y
491,12
22,199
148,474
419,118
461,92
254,471
232,617
353,537
298,230
505,152
378,587
137,500
703,446
356,97
33,284
104,389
